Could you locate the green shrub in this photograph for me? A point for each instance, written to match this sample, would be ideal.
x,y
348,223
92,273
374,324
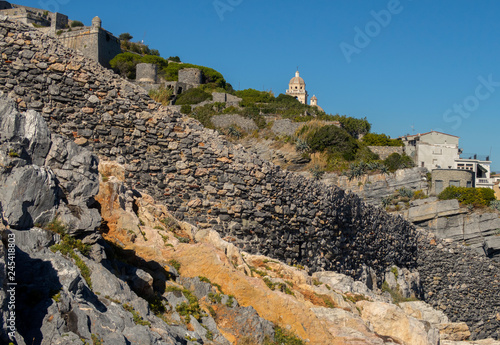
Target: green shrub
x,y
495,205
204,114
174,59
186,109
355,127
125,36
193,96
191,308
374,139
396,161
469,196
76,23
156,305
215,298
334,140
230,301
210,75
125,63
406,192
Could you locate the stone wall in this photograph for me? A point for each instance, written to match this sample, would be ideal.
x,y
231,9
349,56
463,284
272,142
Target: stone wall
x,y
95,43
442,178
190,76
284,126
227,98
386,151
372,188
146,73
226,120
205,180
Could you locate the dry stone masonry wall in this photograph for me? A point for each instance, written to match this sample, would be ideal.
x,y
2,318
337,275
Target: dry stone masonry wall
x,y
208,182
203,179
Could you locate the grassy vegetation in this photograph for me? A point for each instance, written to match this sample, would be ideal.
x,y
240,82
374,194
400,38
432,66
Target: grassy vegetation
x,y
175,264
96,340
278,286
191,308
284,337
215,298
135,315
66,247
161,95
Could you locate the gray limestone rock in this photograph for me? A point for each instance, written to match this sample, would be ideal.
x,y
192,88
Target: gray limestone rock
x,y
30,130
29,196
44,175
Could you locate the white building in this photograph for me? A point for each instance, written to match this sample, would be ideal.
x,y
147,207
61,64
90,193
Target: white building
x,y
432,150
481,169
436,150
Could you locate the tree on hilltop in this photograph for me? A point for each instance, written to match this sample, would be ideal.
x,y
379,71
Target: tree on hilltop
x,y
125,36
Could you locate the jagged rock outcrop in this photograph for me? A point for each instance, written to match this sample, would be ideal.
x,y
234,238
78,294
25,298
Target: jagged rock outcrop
x,y
207,182
42,176
448,220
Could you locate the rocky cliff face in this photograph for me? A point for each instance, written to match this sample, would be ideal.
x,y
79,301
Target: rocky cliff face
x,y
445,218
209,184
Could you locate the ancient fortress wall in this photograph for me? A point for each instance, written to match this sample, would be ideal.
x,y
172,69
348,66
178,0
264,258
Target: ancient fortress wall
x,y
209,182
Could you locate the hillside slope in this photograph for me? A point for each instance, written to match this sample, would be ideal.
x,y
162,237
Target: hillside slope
x,y
206,181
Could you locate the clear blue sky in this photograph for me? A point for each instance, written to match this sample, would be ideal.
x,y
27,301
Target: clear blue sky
x,y
434,65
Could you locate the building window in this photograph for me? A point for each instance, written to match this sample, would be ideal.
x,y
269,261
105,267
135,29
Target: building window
x,y
469,184
454,183
423,164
